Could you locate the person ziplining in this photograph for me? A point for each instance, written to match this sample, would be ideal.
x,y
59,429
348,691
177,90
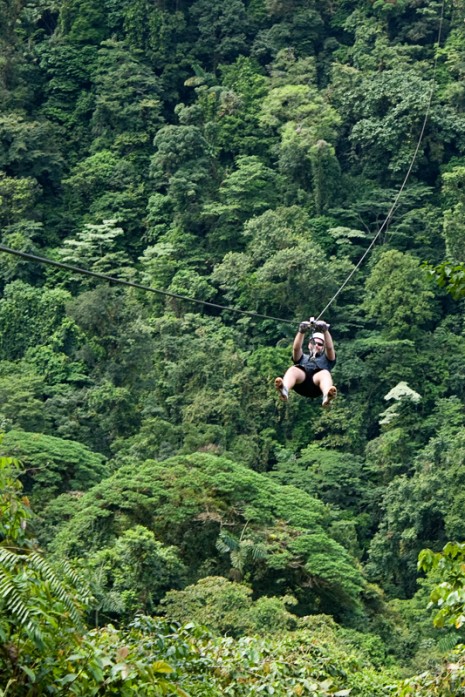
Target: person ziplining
x,y
310,376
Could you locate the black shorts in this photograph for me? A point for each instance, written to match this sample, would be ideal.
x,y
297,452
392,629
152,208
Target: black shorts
x,y
307,388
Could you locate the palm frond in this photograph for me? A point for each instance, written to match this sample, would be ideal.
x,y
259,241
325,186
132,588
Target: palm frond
x,y
226,542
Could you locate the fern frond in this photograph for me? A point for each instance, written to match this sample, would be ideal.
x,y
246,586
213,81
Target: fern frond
x,y
38,563
14,587
11,597
9,559
77,582
447,642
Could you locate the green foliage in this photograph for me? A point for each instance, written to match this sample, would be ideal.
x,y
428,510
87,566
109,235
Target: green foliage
x,y
449,681
17,198
95,249
181,168
133,574
21,395
317,659
221,30
47,654
398,296
28,316
238,118
52,465
394,103
309,661
22,236
330,475
105,187
451,277
125,101
15,509
68,102
248,190
227,608
244,153
44,646
446,572
296,551
448,596
307,126
83,22
335,478
283,266
39,611
28,148
421,509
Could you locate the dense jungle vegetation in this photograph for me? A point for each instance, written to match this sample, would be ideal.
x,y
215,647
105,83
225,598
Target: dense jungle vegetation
x,y
167,525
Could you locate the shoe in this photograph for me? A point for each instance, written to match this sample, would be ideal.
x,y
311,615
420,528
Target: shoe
x,y
328,397
282,389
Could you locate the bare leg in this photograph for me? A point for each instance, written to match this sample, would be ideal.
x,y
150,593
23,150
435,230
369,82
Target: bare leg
x,y
324,381
292,376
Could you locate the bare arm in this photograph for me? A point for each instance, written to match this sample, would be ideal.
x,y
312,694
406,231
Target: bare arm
x,y
329,346
297,346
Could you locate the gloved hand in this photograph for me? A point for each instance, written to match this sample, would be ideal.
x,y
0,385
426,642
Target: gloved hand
x,y
304,327
321,326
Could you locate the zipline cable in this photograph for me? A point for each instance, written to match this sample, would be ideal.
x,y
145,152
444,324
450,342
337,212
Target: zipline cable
x,y
406,178
131,284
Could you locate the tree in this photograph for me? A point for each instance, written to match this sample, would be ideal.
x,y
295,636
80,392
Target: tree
x,y
45,646
28,149
421,509
38,611
83,22
127,108
227,608
451,277
18,196
393,105
445,570
447,597
293,275
293,26
95,248
52,465
106,186
246,191
238,112
21,393
187,501
330,475
398,296
307,125
28,316
132,575
325,172
221,30
22,236
14,88
181,167
67,96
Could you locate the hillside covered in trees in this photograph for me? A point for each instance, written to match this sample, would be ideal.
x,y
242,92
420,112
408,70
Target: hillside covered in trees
x,y
168,526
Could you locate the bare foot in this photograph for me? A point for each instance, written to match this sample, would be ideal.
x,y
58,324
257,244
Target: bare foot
x,y
329,396
282,389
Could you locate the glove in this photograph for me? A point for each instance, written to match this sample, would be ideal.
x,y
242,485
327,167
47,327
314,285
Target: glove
x,y
304,327
321,326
